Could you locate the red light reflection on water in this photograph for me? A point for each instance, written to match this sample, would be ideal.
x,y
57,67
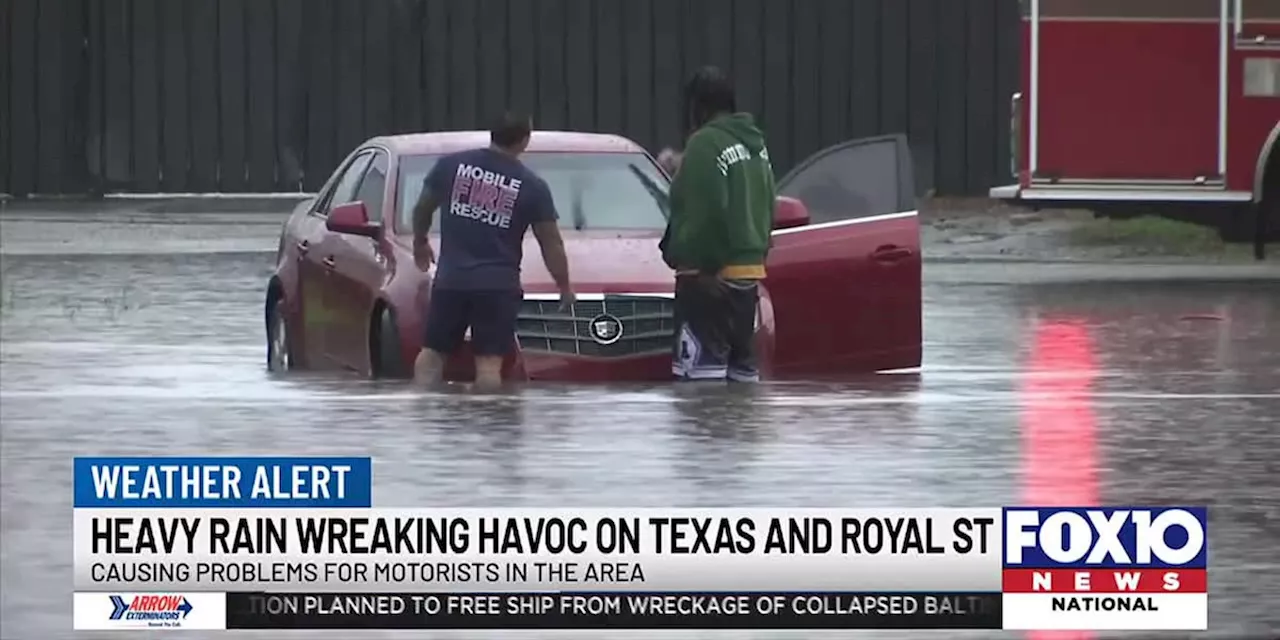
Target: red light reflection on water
x,y
1059,430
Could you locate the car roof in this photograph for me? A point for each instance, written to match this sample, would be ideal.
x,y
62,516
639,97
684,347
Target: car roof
x,y
546,141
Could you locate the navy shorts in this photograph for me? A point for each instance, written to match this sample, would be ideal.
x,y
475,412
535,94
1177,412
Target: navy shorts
x,y
491,316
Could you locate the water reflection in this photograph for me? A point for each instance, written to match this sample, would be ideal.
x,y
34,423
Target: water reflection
x,y
1096,392
1059,428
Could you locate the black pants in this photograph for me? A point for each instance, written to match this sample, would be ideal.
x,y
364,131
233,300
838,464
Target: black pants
x,y
715,329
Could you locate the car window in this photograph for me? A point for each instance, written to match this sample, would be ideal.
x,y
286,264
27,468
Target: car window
x,y
591,190
345,191
374,186
855,179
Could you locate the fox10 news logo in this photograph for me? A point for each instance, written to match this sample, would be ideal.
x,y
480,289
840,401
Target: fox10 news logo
x,y
1106,568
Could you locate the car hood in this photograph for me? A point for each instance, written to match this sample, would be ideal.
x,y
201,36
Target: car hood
x,y
603,262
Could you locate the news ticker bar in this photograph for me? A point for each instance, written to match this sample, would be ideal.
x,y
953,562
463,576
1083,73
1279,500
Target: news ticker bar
x,y
558,611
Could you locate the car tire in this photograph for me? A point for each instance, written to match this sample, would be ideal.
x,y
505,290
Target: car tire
x,y
390,360
279,344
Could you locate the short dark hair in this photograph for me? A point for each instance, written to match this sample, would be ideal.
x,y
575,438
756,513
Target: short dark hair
x,y
510,129
708,92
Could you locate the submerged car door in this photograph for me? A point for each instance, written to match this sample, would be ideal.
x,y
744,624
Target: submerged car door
x,y
357,272
845,288
322,317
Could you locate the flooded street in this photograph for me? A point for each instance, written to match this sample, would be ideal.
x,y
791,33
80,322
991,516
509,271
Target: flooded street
x,y
1042,384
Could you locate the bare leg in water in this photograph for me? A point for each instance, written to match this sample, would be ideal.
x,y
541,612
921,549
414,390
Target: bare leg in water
x,y
488,373
428,369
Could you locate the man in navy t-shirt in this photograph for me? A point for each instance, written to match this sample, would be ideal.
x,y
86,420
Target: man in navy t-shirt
x,y
487,198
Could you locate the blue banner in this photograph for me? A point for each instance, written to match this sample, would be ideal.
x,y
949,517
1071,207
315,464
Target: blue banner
x,y
214,483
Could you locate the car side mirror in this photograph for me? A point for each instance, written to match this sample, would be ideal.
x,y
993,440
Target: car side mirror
x,y
789,212
352,218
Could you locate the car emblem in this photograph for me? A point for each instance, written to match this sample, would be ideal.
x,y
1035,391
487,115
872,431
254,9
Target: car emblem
x,y
606,329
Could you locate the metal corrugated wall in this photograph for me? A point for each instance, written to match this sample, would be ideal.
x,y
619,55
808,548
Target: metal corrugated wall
x,y
267,95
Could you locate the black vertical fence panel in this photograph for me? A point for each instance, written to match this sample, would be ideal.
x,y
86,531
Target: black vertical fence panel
x,y
953,78
668,68
95,96
378,114
865,68
76,96
980,92
775,113
747,65
1008,38
203,93
270,95
233,92
146,94
637,45
436,56
922,121
174,104
694,51
832,70
405,72
806,60
321,155
609,53
551,111
580,69
24,143
492,58
290,94
261,71
117,135
522,57
6,57
463,87
717,31
50,95
894,89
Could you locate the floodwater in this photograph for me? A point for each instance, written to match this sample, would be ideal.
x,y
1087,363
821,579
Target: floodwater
x,y
1042,384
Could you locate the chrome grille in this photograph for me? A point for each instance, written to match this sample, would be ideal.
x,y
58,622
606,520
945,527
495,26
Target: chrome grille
x,y
647,325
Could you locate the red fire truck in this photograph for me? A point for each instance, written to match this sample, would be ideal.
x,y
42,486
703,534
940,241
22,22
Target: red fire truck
x,y
1158,102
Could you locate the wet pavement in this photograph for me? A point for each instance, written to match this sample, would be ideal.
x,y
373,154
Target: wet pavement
x,y
142,334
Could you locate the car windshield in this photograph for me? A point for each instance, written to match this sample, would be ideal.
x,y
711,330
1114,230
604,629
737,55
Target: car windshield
x,y
591,190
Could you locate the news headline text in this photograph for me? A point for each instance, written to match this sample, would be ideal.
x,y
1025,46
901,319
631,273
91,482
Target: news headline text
x,y
555,535
600,610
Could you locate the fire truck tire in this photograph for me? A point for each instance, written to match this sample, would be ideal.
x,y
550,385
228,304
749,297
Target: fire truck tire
x,y
1268,208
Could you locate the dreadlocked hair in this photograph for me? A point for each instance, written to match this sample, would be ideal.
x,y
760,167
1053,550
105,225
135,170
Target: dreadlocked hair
x,y
708,92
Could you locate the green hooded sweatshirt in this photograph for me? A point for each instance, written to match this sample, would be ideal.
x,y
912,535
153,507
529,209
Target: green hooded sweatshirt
x,y
722,201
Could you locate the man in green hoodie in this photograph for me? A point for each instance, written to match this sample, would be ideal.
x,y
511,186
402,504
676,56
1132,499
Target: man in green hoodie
x,y
718,234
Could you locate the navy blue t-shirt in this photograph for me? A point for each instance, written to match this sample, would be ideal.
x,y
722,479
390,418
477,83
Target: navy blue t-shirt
x,y
487,201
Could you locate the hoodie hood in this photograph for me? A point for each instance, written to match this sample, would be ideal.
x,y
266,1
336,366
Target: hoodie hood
x,y
741,127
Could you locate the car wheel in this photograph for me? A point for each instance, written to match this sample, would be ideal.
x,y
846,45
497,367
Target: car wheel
x,y
279,347
390,363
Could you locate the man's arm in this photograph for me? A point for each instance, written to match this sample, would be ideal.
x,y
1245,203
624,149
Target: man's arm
x,y
546,228
553,255
423,212
428,201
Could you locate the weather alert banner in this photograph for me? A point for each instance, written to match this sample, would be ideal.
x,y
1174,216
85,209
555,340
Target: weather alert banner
x,y
274,543
1107,568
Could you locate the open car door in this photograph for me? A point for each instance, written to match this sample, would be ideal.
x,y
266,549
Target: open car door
x,y
846,286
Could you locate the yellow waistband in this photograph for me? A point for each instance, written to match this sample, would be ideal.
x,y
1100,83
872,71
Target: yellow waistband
x,y
733,272
743,272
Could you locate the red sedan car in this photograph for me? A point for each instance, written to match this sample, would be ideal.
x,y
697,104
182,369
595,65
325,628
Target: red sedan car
x,y
842,294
